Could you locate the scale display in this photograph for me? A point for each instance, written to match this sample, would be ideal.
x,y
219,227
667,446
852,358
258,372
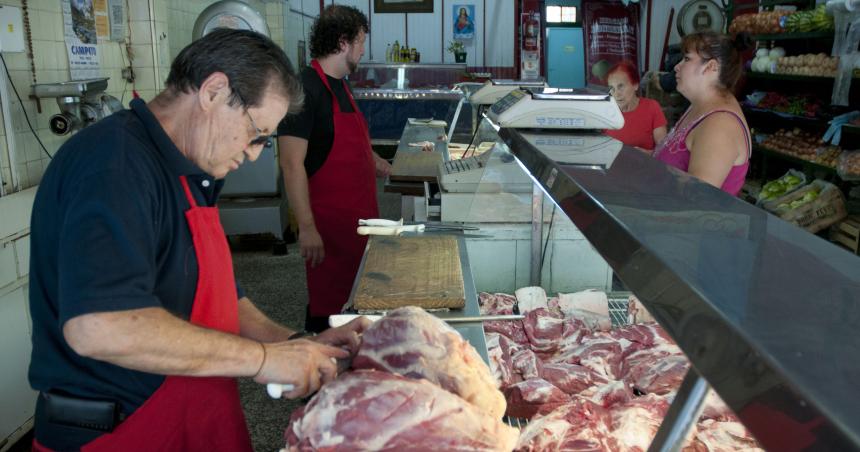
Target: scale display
x,y
493,171
595,151
557,108
494,90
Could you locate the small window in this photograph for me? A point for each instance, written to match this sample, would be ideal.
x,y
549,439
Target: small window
x,y
561,14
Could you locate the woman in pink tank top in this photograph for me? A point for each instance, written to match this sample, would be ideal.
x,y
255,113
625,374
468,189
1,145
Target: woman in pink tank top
x,y
711,140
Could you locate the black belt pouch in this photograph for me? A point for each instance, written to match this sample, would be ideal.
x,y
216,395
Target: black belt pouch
x,y
100,415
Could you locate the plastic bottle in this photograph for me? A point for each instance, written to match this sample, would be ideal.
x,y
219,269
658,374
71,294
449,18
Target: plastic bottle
x,y
388,53
395,52
412,53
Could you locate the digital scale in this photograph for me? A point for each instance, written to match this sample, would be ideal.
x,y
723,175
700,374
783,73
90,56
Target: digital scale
x,y
594,151
494,171
494,90
557,108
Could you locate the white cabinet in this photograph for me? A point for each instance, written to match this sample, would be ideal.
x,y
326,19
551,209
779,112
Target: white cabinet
x,y
17,399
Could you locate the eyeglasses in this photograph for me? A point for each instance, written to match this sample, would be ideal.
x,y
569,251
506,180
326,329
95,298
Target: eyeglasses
x,y
261,138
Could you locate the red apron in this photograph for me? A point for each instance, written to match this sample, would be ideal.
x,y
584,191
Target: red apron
x,y
341,191
193,413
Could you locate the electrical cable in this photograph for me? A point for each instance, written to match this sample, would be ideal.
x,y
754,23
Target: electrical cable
x,y
24,110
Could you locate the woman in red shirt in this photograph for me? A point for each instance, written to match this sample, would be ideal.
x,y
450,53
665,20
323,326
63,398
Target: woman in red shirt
x,y
644,122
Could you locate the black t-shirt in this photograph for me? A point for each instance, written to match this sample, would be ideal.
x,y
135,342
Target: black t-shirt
x,y
315,122
109,233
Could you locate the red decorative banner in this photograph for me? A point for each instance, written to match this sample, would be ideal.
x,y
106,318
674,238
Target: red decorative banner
x,y
611,32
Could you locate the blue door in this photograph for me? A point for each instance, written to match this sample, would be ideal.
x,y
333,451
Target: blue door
x,y
565,57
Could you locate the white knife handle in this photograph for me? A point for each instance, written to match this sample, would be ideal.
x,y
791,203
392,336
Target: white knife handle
x,y
380,222
275,390
389,230
379,230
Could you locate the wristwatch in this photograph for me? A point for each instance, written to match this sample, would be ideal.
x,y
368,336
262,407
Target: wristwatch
x,y
301,334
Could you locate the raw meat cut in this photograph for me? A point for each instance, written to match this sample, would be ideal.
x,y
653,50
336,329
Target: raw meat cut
x,y
636,312
410,342
588,306
512,329
547,330
529,397
600,354
646,334
496,303
531,298
571,378
500,363
527,363
716,409
379,411
576,426
659,377
609,394
716,436
635,423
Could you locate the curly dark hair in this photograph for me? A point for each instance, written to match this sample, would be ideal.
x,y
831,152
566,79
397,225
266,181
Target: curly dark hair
x,y
336,24
251,61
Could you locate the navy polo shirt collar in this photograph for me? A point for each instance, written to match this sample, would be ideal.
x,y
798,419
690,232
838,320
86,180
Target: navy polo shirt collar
x,y
177,163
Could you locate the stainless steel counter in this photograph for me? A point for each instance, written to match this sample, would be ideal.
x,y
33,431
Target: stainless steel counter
x,y
766,312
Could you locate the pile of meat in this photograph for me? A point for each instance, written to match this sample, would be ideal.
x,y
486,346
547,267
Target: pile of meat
x,y
586,386
416,385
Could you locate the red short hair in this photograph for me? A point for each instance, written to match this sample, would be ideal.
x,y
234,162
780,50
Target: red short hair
x,y
627,68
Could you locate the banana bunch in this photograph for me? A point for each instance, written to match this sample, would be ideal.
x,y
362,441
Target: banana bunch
x,y
806,21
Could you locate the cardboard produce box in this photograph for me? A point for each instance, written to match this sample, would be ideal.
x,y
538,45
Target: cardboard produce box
x,y
813,215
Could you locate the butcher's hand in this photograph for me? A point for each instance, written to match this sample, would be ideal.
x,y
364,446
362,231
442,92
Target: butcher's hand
x,y
305,364
346,336
383,168
311,245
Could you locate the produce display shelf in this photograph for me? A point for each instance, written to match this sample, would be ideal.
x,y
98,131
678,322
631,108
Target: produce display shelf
x,y
793,159
782,36
791,77
781,115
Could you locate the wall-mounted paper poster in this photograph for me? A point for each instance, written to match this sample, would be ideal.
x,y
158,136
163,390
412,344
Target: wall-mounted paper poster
x,y
464,21
81,39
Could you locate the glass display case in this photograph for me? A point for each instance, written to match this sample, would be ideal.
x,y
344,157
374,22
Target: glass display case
x,y
405,76
389,94
764,312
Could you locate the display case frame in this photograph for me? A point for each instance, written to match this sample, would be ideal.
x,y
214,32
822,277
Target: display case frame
x,y
765,311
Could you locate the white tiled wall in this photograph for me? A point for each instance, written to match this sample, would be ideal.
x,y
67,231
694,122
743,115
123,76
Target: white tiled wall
x,y
183,13
167,23
52,65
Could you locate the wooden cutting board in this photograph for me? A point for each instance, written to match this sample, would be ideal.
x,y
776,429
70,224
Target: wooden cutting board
x,y
411,271
416,166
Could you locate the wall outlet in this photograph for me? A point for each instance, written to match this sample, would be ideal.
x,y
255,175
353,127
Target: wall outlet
x,y
11,29
128,74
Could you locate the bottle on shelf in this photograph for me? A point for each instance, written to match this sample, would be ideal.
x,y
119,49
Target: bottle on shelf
x,y
395,52
388,53
412,53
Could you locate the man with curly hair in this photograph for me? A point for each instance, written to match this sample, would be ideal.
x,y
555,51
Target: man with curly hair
x,y
329,167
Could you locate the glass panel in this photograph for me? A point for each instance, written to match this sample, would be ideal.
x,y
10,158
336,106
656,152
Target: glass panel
x,y
553,13
568,14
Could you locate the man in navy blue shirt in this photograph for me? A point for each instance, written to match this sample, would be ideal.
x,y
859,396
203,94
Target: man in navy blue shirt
x,y
138,326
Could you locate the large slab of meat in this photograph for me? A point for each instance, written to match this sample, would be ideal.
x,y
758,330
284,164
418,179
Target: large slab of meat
x,y
381,411
410,342
577,426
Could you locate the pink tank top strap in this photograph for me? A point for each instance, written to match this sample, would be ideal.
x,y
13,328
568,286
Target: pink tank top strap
x,y
699,120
